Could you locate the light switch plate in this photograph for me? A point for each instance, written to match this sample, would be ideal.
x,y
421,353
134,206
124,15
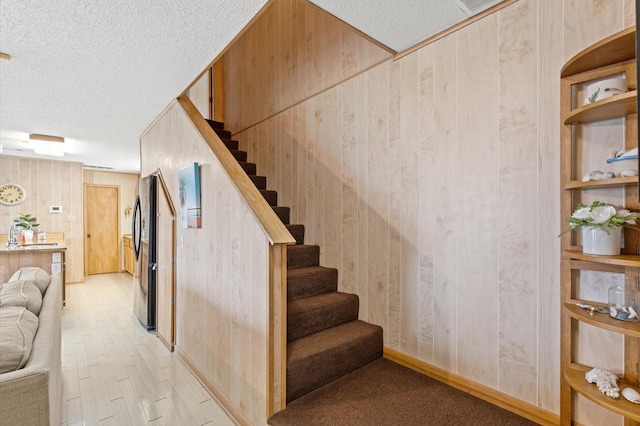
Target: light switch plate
x,y
56,258
56,268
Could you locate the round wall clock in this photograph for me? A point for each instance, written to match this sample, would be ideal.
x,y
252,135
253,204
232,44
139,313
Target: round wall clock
x,y
12,194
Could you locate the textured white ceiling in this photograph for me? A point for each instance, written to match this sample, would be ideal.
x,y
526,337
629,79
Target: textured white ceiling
x,y
98,72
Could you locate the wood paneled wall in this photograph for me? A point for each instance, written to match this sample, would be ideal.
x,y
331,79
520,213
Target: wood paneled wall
x,y
431,182
49,183
293,51
222,301
127,182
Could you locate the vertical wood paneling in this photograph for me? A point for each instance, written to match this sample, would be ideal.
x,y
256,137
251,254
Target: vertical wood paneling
x,y
518,257
49,183
477,223
395,199
445,134
426,176
362,185
293,51
349,191
548,245
331,210
222,271
378,170
444,167
408,200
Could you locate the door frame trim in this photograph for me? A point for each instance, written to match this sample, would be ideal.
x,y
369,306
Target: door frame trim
x,y
162,186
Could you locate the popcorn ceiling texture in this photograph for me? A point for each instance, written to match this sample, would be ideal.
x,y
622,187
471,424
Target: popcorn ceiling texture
x,y
98,73
400,25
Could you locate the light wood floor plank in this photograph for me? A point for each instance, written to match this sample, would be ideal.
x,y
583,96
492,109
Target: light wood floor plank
x,y
89,407
103,401
121,414
74,411
117,373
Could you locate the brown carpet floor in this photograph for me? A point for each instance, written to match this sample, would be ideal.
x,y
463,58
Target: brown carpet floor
x,y
385,393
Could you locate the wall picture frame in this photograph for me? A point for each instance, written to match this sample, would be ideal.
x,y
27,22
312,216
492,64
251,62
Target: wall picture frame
x,y
189,185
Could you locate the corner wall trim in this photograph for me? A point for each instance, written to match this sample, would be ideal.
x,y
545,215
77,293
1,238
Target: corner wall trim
x,y
492,396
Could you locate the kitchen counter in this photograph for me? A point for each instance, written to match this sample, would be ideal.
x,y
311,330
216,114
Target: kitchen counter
x,y
48,246
48,255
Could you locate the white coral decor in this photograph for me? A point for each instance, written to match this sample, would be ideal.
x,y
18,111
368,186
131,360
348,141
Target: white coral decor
x,y
606,381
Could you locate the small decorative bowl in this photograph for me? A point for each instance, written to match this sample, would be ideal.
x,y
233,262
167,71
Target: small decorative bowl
x,y
605,89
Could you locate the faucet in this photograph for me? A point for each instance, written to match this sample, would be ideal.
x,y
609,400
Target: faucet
x,y
11,240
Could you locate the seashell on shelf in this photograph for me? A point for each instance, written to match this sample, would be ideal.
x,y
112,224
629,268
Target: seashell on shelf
x,y
631,395
606,381
629,173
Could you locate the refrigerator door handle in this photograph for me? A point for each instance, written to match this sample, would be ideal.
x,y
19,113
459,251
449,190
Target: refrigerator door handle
x,y
137,230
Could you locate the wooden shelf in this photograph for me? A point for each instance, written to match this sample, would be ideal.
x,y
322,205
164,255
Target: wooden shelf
x,y
632,260
613,107
613,55
617,48
603,321
607,183
574,375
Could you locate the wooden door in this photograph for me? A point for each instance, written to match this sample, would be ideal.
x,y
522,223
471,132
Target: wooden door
x,y
102,229
165,292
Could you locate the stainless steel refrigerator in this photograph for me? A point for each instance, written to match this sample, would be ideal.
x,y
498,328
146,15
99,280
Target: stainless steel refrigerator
x,y
144,244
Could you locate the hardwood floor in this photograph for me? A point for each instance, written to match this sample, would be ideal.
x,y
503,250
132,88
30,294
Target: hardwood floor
x,y
115,373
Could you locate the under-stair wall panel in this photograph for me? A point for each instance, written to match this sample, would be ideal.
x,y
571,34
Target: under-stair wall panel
x,y
446,167
222,270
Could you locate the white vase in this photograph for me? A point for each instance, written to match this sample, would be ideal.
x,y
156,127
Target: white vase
x,y
597,241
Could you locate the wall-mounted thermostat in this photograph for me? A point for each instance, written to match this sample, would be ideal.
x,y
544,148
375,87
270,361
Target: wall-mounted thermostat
x,y
55,209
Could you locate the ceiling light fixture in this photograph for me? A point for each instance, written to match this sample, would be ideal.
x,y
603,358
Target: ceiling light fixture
x,y
42,145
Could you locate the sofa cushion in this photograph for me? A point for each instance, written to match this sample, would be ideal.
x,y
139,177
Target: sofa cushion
x,y
39,276
18,327
21,293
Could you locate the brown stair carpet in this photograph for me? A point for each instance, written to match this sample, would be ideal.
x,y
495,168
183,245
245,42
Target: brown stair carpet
x,y
297,232
311,281
302,256
325,338
385,393
319,358
312,314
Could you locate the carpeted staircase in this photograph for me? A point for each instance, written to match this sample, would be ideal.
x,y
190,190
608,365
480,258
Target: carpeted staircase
x,y
325,338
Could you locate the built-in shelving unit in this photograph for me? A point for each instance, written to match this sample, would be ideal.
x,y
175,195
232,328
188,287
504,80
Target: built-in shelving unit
x,y
612,56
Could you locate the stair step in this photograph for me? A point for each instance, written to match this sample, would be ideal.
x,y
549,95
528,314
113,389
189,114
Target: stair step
x,y
230,143
313,314
259,181
271,196
223,134
302,256
215,124
283,213
317,359
297,232
249,168
239,155
311,281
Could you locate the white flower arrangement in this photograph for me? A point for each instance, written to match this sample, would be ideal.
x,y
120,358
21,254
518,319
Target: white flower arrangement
x,y
603,216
